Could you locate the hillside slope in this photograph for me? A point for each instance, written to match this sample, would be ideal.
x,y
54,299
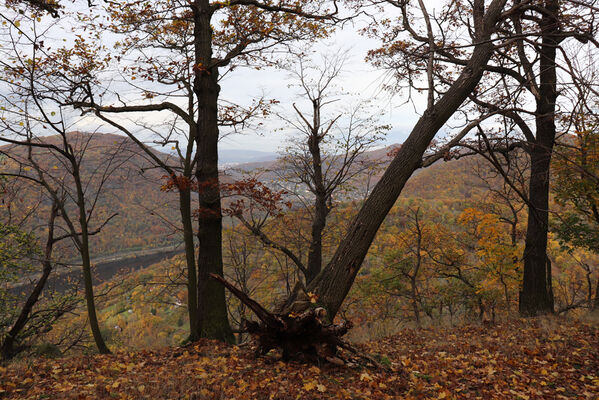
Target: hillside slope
x,y
528,359
148,218
145,216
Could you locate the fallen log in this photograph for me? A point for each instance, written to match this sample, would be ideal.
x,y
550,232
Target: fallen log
x,y
305,336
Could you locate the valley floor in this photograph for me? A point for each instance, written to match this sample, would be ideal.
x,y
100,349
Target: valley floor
x,y
522,359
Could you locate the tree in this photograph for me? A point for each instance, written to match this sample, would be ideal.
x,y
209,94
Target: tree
x,y
32,100
523,81
333,283
49,6
325,155
73,193
553,28
185,48
17,249
576,188
27,323
408,261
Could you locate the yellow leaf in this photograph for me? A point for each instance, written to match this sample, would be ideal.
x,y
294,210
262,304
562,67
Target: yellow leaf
x,y
321,388
365,377
309,386
141,388
314,369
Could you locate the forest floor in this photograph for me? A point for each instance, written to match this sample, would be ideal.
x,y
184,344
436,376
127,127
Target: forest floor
x,y
522,359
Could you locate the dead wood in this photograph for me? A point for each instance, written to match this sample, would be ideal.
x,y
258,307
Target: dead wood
x,y
305,336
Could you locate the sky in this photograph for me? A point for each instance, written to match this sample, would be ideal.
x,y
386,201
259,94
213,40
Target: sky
x,y
245,84
360,78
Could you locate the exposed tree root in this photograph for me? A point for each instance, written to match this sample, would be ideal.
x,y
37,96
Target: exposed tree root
x,y
302,336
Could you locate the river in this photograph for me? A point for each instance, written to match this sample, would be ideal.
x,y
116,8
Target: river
x,y
103,271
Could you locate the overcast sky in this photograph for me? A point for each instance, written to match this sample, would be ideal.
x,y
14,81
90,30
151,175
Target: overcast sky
x,y
360,78
245,84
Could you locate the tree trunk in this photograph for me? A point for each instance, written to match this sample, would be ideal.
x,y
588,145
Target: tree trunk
x,y
315,252
589,285
7,350
192,288
321,211
336,279
535,298
86,263
414,295
481,309
596,305
214,323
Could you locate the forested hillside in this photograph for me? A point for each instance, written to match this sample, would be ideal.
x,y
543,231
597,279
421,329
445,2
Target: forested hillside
x,y
466,270
143,216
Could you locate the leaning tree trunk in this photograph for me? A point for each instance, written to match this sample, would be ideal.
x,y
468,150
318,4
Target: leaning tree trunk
x,y
334,282
536,297
214,322
7,349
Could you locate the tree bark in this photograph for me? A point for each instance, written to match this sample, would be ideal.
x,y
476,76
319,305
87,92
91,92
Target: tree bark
x,y
596,305
214,322
86,262
315,252
414,295
336,279
321,211
192,287
536,298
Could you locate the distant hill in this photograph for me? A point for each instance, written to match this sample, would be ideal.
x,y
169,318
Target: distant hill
x,y
148,217
230,157
443,180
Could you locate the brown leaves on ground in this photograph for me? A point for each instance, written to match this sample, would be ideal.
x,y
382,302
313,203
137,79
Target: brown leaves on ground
x,y
519,360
